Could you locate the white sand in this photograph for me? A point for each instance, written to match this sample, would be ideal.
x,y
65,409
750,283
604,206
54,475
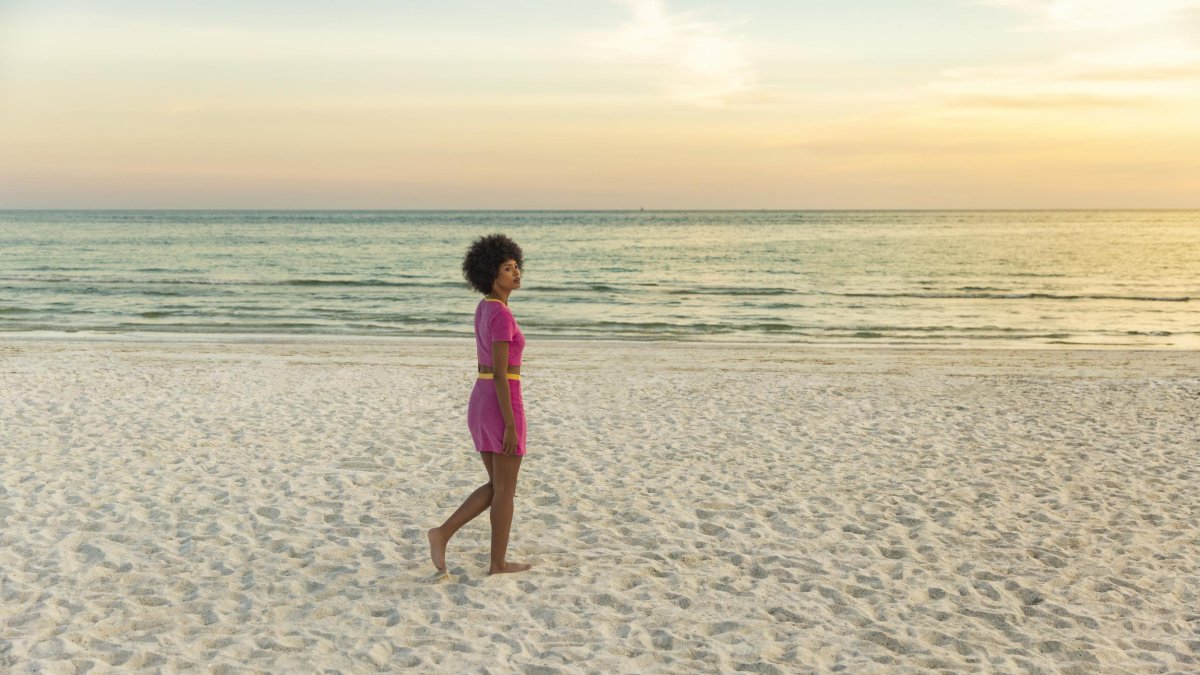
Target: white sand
x,y
263,506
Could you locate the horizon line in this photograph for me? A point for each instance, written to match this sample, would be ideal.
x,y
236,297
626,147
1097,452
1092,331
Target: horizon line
x,y
577,210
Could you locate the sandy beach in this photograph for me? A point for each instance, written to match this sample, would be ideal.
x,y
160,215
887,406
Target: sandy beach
x,y
250,505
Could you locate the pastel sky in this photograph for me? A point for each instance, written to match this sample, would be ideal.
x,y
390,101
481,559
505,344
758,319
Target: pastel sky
x,y
600,104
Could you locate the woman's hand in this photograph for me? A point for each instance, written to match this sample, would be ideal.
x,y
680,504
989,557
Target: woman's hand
x,y
510,440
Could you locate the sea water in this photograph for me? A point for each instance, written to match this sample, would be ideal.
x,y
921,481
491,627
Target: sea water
x,y
955,278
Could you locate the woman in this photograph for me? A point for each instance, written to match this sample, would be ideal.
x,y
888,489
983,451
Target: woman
x,y
496,413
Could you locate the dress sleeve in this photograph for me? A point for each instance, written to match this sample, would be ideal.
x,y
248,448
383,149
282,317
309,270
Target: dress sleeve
x,y
501,326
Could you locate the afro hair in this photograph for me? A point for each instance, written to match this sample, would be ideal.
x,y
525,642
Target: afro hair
x,y
484,258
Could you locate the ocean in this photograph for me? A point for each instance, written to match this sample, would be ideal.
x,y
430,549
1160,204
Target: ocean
x,y
950,278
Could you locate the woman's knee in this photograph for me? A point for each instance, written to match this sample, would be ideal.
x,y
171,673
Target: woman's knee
x,y
503,490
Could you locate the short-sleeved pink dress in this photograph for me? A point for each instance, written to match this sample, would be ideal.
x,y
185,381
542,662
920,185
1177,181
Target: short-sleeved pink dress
x,y
494,322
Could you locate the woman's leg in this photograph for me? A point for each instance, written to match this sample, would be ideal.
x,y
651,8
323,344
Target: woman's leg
x,y
504,486
479,501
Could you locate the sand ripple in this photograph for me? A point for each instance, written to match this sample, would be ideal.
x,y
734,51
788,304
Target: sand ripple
x,y
262,507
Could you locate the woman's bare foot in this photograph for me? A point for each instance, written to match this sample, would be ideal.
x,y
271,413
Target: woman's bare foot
x,y
509,568
437,548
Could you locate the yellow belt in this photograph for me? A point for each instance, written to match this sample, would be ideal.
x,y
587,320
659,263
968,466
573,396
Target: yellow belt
x,y
488,376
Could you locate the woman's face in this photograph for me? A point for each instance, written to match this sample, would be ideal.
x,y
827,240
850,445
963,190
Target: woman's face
x,y
509,277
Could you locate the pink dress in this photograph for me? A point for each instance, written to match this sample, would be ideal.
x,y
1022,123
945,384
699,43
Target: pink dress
x,y
494,322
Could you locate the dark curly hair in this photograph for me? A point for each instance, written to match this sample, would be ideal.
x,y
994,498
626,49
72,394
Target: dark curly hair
x,y
484,258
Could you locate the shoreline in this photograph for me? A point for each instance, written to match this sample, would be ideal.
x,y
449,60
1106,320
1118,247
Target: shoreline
x,y
572,355
172,337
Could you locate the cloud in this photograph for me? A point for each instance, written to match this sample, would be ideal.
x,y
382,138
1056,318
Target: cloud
x,y
1119,74
1101,15
1142,58
702,62
1044,101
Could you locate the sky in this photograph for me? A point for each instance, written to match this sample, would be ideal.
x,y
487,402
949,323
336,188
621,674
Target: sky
x,y
600,104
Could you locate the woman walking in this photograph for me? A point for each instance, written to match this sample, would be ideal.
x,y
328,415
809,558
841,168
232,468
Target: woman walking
x,y
496,412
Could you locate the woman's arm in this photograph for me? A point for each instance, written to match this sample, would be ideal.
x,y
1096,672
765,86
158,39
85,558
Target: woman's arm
x,y
500,377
